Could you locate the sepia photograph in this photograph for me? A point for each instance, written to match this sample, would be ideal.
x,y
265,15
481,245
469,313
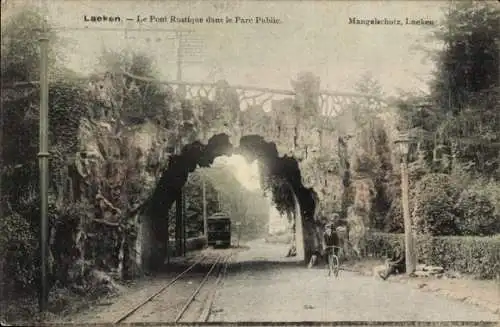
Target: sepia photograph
x,y
250,163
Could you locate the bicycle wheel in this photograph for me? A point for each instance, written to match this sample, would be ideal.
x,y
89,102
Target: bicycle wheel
x,y
336,266
330,265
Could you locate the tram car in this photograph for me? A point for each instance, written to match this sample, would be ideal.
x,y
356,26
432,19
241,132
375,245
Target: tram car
x,y
219,230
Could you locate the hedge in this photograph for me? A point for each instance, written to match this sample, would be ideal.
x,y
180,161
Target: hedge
x,y
474,255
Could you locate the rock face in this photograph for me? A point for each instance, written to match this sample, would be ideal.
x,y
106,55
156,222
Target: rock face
x,y
115,171
358,214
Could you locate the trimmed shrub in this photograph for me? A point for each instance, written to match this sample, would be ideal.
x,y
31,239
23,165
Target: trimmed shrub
x,y
434,209
478,256
382,244
476,215
435,214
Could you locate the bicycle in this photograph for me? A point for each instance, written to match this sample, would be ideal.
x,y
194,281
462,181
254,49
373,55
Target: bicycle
x,y
333,261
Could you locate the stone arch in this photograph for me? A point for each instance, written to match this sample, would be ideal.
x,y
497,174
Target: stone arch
x,y
168,189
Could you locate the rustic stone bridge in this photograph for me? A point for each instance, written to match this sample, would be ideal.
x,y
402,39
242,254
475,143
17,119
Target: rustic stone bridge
x,y
291,132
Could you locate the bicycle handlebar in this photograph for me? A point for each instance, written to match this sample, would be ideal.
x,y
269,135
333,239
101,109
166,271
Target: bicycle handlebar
x,y
333,247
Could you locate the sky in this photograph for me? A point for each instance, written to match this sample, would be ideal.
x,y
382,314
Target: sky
x,y
313,36
246,173
248,176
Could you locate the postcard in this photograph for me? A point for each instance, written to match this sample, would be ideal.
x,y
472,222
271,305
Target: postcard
x,y
250,162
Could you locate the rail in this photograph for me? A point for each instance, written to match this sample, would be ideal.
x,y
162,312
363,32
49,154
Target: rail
x,y
149,299
208,308
221,260
198,289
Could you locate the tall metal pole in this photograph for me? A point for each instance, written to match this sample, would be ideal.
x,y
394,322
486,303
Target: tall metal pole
x,y
179,56
43,157
184,224
409,245
205,221
178,226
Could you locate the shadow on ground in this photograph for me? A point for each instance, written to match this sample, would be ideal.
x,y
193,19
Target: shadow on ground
x,y
262,266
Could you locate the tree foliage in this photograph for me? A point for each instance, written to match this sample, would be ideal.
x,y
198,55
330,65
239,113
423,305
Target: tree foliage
x,y
458,122
434,210
247,207
370,150
476,215
456,125
20,47
134,99
193,190
307,88
468,68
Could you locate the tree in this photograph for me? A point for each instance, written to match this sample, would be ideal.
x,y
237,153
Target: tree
x,y
20,106
247,207
306,108
466,87
130,92
20,47
469,64
456,125
227,103
307,87
371,156
68,103
194,199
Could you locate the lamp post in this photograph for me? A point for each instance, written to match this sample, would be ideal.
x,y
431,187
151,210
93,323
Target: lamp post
x,y
43,156
205,221
403,144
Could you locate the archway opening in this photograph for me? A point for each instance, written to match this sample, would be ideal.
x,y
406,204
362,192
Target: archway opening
x,y
235,185
279,175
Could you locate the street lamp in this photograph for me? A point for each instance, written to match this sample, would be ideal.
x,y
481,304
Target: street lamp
x,y
43,156
204,194
403,144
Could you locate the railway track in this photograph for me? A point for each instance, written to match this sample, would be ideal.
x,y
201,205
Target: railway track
x,y
173,302
205,315
221,264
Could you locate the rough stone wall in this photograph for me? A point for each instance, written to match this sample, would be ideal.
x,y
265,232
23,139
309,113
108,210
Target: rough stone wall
x,y
117,170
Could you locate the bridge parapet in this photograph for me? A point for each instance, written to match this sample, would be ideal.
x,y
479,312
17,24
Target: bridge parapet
x,y
331,103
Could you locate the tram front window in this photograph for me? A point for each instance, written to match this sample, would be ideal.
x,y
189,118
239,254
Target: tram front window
x,y
219,227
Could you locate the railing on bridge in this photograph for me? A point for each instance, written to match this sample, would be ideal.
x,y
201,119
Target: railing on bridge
x,y
331,103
